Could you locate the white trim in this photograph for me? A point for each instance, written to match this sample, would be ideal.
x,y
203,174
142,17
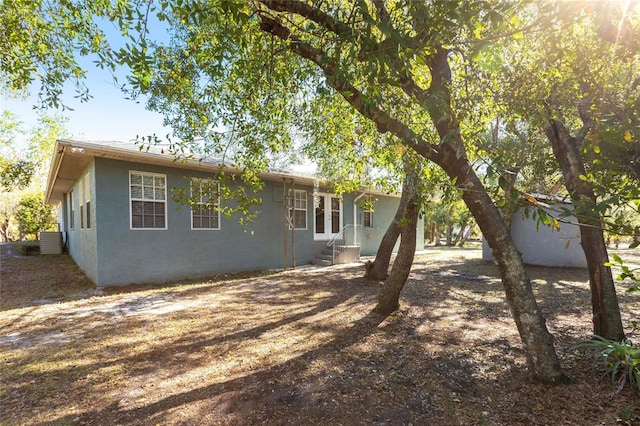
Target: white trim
x,y
369,199
216,203
164,201
71,211
81,201
87,201
294,209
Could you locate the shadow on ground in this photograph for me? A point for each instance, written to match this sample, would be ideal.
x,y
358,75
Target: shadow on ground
x,y
304,348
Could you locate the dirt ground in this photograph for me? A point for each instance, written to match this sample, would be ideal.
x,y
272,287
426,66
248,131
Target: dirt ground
x,y
294,348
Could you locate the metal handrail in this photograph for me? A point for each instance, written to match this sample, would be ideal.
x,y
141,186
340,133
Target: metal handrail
x,y
340,238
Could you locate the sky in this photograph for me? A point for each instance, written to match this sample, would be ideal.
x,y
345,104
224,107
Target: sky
x,y
106,116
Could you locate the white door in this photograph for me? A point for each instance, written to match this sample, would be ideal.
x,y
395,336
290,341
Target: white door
x,y
328,217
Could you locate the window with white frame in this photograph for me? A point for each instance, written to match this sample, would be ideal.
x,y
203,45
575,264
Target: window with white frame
x,y
72,212
299,209
81,202
148,196
205,204
87,204
367,218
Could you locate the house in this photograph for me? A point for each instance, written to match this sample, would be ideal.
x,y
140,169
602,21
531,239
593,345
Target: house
x,y
121,224
545,245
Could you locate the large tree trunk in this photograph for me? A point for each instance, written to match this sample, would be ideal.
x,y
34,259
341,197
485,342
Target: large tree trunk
x,y
604,300
538,342
378,269
389,295
450,154
380,266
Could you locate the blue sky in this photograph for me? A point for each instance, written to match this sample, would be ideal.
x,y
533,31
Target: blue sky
x,y
107,116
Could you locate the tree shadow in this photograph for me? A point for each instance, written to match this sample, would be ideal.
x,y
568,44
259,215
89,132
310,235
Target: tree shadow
x,y
359,330
452,342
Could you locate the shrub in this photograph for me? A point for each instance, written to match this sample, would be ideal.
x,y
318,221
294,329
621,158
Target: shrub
x,y
34,215
621,360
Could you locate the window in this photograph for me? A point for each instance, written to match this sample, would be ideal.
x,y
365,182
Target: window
x,y
72,212
87,197
81,202
367,219
299,209
205,204
148,193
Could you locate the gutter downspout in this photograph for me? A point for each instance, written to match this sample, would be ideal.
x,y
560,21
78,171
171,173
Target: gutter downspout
x,y
355,225
293,227
284,222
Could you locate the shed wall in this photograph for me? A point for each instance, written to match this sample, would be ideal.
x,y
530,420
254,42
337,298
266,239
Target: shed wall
x,y
542,245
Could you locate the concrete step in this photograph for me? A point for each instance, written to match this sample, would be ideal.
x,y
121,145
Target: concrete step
x,y
324,256
321,262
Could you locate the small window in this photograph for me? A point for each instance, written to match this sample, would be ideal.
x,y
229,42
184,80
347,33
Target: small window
x,y
148,197
299,209
367,220
81,202
87,197
72,212
205,204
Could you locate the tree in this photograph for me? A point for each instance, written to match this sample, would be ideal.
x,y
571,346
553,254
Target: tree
x,y
375,58
15,170
389,296
378,269
577,107
412,192
445,212
34,215
24,163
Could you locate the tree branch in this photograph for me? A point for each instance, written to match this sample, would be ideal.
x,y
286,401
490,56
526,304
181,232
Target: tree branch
x,y
339,28
382,119
587,120
410,87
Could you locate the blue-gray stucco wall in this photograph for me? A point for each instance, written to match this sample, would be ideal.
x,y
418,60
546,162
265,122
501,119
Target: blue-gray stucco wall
x,y
82,242
113,254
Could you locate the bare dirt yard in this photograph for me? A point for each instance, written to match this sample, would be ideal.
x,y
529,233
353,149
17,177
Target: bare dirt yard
x,y
293,348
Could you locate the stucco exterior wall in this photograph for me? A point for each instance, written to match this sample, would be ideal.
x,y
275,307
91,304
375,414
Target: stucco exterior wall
x,y
126,255
384,209
81,241
544,245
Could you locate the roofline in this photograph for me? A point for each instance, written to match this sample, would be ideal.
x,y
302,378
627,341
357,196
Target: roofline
x,y
56,160
149,157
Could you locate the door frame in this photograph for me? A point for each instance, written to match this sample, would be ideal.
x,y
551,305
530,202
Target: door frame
x,y
328,218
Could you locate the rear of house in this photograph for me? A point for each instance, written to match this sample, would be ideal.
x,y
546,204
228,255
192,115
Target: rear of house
x,y
122,225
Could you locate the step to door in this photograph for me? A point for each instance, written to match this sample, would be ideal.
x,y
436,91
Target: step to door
x,y
321,262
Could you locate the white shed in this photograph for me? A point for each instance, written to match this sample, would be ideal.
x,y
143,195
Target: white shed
x,y
542,244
